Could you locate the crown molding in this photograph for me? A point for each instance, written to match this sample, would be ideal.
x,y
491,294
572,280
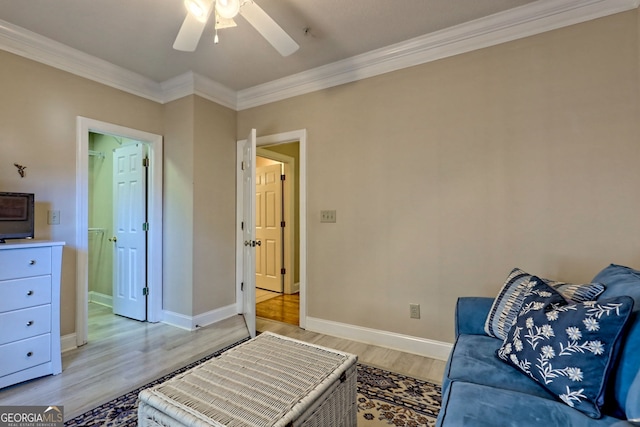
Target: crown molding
x,y
33,46
216,92
191,83
524,21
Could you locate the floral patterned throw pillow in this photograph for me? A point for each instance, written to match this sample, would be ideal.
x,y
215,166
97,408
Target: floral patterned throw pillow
x,y
568,348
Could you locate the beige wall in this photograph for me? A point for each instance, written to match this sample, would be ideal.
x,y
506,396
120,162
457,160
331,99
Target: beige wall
x,y
445,176
214,222
199,246
178,207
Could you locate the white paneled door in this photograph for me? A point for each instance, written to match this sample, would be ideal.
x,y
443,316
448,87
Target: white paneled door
x,y
129,227
249,232
269,227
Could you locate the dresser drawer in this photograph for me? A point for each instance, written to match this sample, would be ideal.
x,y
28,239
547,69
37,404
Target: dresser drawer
x,y
24,262
23,293
24,354
25,323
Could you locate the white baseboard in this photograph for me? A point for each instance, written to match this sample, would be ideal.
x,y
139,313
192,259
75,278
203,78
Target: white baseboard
x,y
68,342
192,323
102,299
409,344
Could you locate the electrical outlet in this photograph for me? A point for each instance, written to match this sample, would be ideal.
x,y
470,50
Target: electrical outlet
x,y
53,217
327,216
414,311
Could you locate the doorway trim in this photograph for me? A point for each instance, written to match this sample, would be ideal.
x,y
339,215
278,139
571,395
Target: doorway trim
x,y
299,136
154,246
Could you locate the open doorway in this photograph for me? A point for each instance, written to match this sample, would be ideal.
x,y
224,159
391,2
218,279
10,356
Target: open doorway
x,y
278,256
245,190
117,251
152,264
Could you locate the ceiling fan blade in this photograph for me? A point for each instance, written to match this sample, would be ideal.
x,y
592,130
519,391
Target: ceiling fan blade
x,y
189,34
192,28
269,29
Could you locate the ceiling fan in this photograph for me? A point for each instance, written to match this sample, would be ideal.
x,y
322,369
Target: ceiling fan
x,y
199,12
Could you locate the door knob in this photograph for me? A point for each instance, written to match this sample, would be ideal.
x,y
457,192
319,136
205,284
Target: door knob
x,y
257,242
252,243
113,239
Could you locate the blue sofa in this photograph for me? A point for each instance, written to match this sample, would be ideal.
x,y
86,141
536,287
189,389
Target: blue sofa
x,y
479,389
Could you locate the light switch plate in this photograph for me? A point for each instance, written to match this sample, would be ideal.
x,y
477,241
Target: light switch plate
x,y
53,217
328,216
414,311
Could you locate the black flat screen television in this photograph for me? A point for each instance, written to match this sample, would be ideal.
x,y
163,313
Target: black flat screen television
x,y
17,212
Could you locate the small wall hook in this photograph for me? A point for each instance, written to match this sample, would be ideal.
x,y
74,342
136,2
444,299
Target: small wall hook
x,y
20,169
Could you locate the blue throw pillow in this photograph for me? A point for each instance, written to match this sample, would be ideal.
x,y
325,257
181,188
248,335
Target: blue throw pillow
x,y
568,348
507,304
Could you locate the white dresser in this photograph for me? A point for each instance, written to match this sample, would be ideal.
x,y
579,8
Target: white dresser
x,y
29,310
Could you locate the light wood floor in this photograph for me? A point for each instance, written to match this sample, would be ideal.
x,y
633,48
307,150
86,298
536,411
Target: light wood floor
x,y
124,354
392,360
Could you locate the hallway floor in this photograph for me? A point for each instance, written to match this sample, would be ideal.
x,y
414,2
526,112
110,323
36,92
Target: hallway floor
x,y
282,308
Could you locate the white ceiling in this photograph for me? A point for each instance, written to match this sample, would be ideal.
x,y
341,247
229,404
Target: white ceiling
x,y
137,35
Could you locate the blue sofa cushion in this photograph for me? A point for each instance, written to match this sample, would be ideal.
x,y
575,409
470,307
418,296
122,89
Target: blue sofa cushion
x,y
625,378
507,304
473,359
568,348
467,404
470,315
620,280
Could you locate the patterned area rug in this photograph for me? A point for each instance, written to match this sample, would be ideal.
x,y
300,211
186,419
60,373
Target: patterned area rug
x,y
384,398
387,398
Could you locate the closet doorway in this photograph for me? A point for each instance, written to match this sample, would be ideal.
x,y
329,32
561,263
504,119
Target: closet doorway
x,y
151,260
117,219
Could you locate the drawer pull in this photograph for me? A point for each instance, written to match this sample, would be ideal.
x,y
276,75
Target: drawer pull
x,y
30,322
30,354
29,293
32,262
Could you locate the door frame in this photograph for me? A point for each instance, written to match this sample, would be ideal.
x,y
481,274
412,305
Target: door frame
x,y
154,246
299,136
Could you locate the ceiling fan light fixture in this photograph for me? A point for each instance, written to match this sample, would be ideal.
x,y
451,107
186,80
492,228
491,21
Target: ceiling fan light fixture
x,y
198,9
227,8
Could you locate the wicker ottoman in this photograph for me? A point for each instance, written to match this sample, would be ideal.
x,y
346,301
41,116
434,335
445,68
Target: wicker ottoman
x,y
268,381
